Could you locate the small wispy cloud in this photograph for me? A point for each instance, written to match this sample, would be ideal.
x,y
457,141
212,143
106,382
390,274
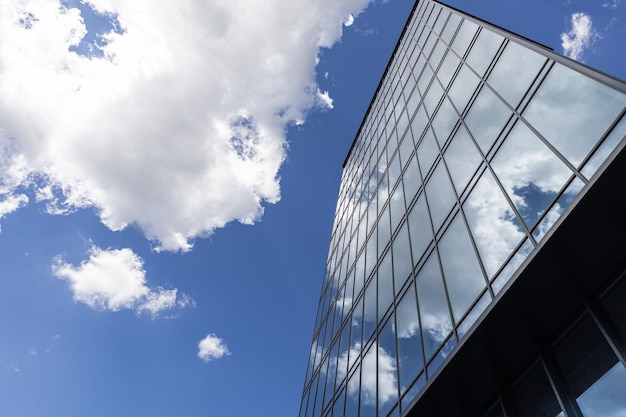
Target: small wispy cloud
x,y
611,4
579,37
211,348
114,279
324,99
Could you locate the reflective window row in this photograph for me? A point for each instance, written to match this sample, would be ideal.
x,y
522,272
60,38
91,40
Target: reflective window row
x,y
470,152
582,374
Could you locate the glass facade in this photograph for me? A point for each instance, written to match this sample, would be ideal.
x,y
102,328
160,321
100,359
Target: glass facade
x,y
475,145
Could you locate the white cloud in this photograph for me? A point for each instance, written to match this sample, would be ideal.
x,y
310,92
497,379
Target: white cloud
x,y
12,202
114,279
613,4
349,21
324,99
579,37
176,123
211,348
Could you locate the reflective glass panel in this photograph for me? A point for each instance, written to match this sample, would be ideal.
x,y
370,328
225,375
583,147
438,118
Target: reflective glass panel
x,y
533,395
591,370
433,306
464,37
411,180
530,173
368,383
369,310
410,357
420,228
427,152
448,68
387,368
557,209
444,121
572,111
440,195
463,88
462,159
615,308
484,50
406,149
432,98
486,118
451,26
355,334
461,271
494,226
605,149
385,285
352,395
339,404
402,264
515,71
424,79
418,123
397,208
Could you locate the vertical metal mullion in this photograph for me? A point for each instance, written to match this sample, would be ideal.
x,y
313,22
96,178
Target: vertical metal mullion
x,y
567,404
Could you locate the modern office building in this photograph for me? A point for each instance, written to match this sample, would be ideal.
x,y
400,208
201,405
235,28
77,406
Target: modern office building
x,y
477,260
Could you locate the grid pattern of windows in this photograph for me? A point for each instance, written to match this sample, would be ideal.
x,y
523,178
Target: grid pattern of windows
x,y
473,147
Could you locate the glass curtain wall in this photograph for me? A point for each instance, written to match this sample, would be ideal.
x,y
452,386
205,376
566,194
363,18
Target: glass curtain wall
x,y
474,145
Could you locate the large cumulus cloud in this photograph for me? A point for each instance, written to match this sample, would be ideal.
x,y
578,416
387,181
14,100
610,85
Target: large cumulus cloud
x,y
173,120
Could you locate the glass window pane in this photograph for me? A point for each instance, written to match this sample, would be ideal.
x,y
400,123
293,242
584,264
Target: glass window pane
x,y
410,358
463,88
462,159
600,155
411,180
492,222
484,50
591,371
406,149
440,195
368,383
385,285
394,170
615,308
355,334
531,173
369,310
557,209
432,98
486,118
424,79
352,395
573,119
427,152
418,123
437,54
387,368
515,71
533,396
384,230
448,67
397,208
402,264
464,37
444,121
420,228
451,26
339,404
461,270
433,306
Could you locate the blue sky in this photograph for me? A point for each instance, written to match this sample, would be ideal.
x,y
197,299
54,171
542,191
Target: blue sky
x,y
168,175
